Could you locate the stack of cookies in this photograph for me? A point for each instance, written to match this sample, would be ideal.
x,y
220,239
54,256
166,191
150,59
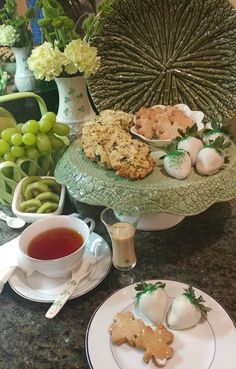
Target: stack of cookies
x,y
161,123
106,140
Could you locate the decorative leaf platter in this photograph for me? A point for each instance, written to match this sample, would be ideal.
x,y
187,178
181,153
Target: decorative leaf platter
x,y
166,52
196,116
89,183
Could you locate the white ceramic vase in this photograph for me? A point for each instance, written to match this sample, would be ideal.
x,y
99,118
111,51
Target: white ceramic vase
x,y
24,78
74,104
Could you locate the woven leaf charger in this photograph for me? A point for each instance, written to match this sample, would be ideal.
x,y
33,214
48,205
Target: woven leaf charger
x,y
166,52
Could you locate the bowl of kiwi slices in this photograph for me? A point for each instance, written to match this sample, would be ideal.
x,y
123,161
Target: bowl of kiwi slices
x,y
38,197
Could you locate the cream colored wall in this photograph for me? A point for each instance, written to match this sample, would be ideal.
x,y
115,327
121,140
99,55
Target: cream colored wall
x,y
233,2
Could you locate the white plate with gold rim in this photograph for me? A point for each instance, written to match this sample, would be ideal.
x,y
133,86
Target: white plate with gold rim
x,y
40,288
209,345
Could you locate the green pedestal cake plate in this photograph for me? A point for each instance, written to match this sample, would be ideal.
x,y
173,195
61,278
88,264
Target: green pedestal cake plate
x,y
162,200
159,52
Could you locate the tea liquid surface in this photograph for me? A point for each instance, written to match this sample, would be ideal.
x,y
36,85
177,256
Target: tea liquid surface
x,y
55,243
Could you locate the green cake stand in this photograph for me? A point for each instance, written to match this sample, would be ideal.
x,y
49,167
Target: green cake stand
x,y
163,201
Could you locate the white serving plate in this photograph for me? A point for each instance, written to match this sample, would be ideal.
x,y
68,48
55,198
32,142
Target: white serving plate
x,y
208,345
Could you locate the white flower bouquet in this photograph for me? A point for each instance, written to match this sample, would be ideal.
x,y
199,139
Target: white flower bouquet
x,y
48,62
8,35
62,53
15,30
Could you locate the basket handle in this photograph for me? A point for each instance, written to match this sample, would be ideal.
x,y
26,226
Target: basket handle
x,y
22,95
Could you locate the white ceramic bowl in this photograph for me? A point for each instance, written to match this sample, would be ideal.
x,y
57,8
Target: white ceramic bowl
x,y
60,267
32,217
196,116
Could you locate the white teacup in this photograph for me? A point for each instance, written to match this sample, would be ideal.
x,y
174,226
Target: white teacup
x,y
55,268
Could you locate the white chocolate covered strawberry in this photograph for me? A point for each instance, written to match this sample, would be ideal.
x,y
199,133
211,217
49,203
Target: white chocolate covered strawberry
x,y
209,161
211,135
215,129
212,157
190,142
192,145
177,164
152,301
186,310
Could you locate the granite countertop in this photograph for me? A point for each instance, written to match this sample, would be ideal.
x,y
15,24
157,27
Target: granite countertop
x,y
200,251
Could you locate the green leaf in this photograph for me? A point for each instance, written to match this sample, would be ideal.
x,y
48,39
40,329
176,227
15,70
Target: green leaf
x,y
172,146
144,288
197,301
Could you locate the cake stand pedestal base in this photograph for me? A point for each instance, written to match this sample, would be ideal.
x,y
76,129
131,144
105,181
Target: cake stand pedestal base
x,y
158,222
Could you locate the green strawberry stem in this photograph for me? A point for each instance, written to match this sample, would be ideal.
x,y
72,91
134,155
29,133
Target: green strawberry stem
x,y
190,132
197,301
219,146
223,126
144,287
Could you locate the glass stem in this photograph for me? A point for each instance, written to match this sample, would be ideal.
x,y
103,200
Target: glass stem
x,y
126,277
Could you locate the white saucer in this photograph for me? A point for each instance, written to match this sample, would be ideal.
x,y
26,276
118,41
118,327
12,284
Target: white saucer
x,y
40,288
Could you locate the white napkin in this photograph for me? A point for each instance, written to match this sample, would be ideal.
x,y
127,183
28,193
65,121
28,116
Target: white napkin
x,y
9,260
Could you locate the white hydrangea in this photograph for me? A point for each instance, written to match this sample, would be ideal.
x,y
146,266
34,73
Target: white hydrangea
x,y
8,35
81,57
46,61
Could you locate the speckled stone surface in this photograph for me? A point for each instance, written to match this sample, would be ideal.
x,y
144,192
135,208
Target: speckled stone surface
x,y
200,251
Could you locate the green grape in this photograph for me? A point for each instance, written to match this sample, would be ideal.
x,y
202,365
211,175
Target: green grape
x,y
4,146
57,143
24,128
29,139
8,156
16,139
32,153
32,126
50,116
43,143
61,129
19,127
45,124
18,151
7,133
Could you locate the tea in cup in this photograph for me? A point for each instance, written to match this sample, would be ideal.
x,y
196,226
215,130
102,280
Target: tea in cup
x,y
54,246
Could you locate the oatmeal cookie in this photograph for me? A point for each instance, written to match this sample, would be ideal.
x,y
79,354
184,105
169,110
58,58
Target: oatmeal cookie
x,y
132,159
116,118
106,140
95,136
98,141
125,120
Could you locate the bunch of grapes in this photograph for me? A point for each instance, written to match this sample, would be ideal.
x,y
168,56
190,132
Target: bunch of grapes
x,y
33,139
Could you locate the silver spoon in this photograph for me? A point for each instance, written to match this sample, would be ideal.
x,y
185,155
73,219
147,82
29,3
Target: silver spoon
x,y
12,222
